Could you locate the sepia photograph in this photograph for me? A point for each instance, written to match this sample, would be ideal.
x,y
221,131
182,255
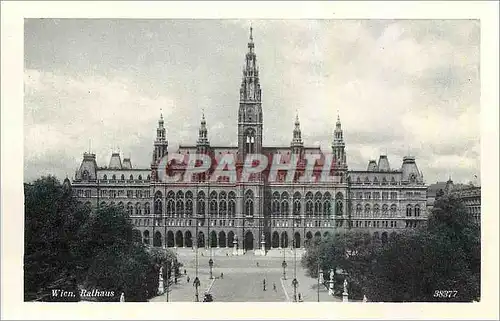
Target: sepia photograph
x,y
252,160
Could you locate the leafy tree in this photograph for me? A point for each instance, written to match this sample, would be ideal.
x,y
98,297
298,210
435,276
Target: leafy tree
x,y
443,256
69,248
52,219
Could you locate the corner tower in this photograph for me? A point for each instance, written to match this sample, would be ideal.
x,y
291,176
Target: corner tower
x,y
250,111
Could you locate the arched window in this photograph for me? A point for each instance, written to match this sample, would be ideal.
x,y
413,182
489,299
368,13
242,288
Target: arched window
x,y
318,208
138,209
147,209
222,207
296,207
149,177
359,209
140,177
130,209
417,210
85,175
170,207
358,180
105,177
158,203
367,210
201,204
232,208
327,208
114,177
384,181
393,181
375,181
376,210
385,209
189,207
131,178
367,180
179,208
408,210
284,208
249,203
250,141
394,209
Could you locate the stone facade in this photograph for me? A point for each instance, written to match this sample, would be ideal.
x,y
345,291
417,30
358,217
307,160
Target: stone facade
x,y
470,194
380,200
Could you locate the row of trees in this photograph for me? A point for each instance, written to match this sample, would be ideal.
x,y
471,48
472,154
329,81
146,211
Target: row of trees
x,y
443,255
69,247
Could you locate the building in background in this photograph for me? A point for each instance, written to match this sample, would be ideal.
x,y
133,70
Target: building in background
x,y
380,200
470,194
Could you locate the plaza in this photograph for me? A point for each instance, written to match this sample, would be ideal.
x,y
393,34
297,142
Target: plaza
x,y
242,279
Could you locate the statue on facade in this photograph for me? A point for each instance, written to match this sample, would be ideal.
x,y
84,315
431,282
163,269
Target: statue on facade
x,y
345,285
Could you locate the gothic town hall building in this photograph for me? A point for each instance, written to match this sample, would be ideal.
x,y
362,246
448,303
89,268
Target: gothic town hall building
x,y
380,200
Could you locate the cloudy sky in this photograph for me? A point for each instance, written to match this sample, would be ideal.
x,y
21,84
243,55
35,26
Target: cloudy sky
x,y
400,86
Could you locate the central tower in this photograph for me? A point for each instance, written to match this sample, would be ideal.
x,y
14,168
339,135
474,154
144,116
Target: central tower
x,y
250,111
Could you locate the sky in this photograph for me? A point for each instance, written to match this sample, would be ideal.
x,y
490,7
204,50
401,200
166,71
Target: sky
x,y
400,87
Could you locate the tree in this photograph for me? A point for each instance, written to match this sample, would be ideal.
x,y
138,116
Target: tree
x,y
52,219
351,253
445,255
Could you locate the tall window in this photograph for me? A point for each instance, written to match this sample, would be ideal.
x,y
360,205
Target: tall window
x,y
250,141
249,210
158,203
408,210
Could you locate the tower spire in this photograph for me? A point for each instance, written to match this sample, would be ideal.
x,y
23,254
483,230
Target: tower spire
x,y
251,33
297,142
203,144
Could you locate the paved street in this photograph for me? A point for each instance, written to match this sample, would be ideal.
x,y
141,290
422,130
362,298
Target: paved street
x,y
242,281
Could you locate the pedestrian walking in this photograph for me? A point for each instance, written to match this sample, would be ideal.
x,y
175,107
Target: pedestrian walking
x,y
274,287
221,275
257,264
300,297
188,279
264,284
185,272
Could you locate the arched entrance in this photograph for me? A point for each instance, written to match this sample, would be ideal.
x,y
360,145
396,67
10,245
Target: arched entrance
x,y
222,239
201,239
170,239
248,241
326,235
297,239
136,236
146,237
384,238
309,237
230,239
276,240
284,239
267,237
213,239
179,239
157,239
188,239
317,237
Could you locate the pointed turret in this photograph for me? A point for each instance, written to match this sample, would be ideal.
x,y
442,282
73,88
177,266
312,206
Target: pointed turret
x,y
202,145
161,143
115,161
297,143
338,146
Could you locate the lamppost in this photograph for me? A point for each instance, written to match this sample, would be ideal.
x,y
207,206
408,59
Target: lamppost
x,y
211,264
294,282
196,284
284,268
319,273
